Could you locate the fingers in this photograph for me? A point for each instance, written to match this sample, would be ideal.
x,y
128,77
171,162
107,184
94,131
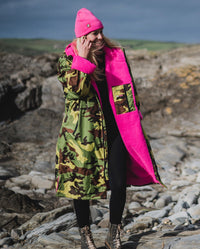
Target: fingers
x,y
83,46
85,42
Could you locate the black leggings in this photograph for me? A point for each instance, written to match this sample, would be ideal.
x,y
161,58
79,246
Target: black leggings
x,y
117,182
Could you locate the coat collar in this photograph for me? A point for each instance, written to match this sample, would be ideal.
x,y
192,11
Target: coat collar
x,y
71,49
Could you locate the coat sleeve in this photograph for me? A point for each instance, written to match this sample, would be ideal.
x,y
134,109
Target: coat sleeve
x,y
73,73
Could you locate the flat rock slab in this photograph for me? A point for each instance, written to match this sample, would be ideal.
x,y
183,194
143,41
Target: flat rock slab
x,y
160,240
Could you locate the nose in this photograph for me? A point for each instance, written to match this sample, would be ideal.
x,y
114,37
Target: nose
x,y
100,36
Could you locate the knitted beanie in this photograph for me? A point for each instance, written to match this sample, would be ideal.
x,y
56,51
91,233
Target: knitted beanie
x,y
86,22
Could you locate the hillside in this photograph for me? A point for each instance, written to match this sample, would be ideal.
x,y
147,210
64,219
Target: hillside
x,y
41,46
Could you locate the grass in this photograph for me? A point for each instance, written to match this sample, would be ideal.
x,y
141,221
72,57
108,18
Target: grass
x,y
150,45
31,46
41,46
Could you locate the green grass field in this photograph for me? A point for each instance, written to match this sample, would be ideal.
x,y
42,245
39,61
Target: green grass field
x,y
40,46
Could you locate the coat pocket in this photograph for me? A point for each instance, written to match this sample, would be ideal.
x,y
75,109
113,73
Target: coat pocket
x,y
123,98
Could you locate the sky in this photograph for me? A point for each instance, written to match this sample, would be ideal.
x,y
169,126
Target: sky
x,y
159,20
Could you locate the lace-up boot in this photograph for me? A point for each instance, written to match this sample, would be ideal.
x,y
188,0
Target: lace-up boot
x,y
113,238
87,241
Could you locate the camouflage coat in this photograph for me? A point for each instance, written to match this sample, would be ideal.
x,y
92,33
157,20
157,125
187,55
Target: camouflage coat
x,y
81,152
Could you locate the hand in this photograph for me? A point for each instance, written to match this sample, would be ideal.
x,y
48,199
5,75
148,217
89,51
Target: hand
x,y
83,47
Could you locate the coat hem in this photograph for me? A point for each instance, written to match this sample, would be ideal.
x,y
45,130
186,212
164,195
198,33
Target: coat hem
x,y
86,197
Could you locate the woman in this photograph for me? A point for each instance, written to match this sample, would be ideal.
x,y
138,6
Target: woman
x,y
101,144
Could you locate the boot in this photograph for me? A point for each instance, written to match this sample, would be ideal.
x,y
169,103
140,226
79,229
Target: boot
x,y
87,241
113,238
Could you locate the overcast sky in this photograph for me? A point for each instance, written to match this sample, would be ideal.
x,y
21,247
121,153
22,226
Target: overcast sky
x,y
162,20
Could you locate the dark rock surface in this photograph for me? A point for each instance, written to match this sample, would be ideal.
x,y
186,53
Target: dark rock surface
x,y
31,112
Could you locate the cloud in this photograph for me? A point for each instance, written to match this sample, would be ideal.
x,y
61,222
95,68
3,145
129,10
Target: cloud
x,y
122,19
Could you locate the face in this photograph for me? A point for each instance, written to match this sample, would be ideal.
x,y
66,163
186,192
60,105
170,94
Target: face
x,y
96,35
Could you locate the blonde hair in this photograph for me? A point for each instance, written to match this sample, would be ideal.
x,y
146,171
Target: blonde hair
x,y
96,56
110,43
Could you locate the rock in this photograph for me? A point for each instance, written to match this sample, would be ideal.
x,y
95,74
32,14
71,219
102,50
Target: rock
x,y
23,181
15,202
95,213
94,227
129,226
105,221
163,201
145,195
46,69
188,242
9,221
140,188
148,204
54,239
141,223
46,64
175,196
190,167
47,122
6,242
44,217
5,148
189,172
73,234
198,178
185,227
52,95
63,222
29,99
194,211
179,218
134,205
15,234
148,241
173,153
157,214
166,221
3,235
43,166
34,179
8,172
20,76
40,191
181,204
75,231
42,182
179,183
187,197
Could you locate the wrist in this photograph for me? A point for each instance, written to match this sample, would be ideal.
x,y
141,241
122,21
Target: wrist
x,y
83,55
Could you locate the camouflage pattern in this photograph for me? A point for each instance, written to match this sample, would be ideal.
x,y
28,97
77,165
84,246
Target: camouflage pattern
x,y
123,98
81,151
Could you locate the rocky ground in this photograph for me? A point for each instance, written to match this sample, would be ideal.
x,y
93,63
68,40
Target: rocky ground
x,y
31,110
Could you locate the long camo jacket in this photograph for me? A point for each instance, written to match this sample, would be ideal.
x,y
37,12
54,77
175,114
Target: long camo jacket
x,y
81,152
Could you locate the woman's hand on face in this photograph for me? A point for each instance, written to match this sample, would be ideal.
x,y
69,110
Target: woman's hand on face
x,y
83,47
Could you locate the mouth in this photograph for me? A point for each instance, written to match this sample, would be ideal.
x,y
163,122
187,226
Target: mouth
x,y
98,43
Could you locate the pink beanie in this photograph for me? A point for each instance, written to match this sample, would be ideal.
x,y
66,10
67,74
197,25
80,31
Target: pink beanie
x,y
86,22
